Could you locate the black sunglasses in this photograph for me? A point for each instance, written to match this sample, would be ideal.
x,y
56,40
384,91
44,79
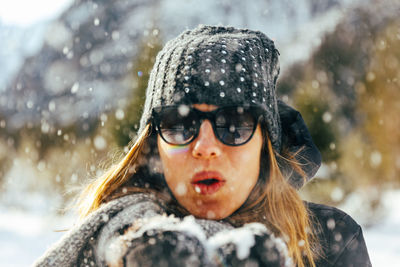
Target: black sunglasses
x,y
232,125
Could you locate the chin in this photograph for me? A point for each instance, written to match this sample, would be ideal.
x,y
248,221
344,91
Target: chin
x,y
214,213
209,215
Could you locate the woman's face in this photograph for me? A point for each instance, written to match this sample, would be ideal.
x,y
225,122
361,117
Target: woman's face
x,y
210,179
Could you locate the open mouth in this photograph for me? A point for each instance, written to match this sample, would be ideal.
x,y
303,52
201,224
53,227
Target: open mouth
x,y
207,182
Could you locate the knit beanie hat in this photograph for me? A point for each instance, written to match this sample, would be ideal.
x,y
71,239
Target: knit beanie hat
x,y
224,66
217,66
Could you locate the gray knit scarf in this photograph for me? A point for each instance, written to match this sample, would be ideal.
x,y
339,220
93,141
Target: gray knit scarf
x,y
108,236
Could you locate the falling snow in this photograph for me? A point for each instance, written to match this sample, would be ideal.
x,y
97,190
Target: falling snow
x,y
82,83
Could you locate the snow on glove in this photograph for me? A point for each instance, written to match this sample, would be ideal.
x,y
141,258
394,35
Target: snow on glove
x,y
165,248
250,245
165,241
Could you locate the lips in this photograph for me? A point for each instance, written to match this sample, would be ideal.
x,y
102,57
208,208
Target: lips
x,y
207,182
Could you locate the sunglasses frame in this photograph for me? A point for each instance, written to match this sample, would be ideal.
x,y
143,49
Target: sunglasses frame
x,y
257,111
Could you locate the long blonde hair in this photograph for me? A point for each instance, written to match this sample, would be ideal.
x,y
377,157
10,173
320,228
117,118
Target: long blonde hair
x,y
273,202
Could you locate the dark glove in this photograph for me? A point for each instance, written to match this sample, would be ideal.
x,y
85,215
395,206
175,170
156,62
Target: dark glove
x,y
250,246
263,253
165,248
158,241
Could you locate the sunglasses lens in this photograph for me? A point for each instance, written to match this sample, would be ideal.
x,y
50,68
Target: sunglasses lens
x,y
234,126
175,128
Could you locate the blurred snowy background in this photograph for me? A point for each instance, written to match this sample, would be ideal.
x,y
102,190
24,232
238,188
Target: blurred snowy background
x,y
72,80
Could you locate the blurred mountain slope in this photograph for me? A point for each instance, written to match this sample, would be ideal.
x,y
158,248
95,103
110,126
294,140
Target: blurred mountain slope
x,y
84,66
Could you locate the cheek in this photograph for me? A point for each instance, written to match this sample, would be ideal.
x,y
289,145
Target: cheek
x,y
171,157
247,162
248,169
247,158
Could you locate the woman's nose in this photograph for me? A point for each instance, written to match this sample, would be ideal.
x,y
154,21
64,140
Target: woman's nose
x,y
206,145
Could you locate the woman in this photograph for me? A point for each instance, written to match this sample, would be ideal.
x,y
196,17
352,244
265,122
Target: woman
x,y
215,143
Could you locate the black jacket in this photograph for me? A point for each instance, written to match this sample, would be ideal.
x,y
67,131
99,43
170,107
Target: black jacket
x,y
341,238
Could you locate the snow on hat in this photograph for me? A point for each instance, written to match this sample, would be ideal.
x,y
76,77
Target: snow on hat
x,y
228,66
